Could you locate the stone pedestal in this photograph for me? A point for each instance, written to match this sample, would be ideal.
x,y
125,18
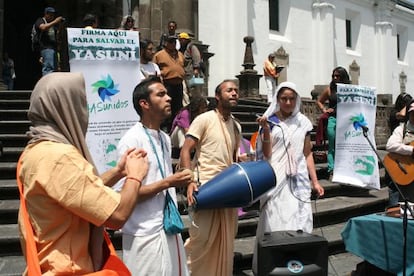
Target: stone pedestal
x,y
205,55
249,85
248,78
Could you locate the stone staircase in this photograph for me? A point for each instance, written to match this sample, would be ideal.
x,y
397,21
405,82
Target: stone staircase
x,y
330,212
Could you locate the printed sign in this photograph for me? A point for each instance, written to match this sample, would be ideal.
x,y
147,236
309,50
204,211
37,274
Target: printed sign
x,y
109,61
356,162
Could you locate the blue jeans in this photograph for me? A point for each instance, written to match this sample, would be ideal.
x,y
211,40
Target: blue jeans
x,y
48,65
9,82
331,132
393,197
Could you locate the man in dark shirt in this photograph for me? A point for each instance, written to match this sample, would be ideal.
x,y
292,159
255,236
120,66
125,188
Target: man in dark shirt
x,y
172,27
47,27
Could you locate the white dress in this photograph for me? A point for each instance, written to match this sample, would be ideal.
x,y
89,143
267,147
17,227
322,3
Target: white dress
x,y
288,205
146,248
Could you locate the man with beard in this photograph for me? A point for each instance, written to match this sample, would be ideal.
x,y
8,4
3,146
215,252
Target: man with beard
x,y
215,135
147,248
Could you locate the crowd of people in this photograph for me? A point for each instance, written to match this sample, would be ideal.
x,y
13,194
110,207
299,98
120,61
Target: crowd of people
x,y
57,172
175,60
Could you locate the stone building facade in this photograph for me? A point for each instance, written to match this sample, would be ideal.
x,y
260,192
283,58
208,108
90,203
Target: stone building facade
x,y
371,38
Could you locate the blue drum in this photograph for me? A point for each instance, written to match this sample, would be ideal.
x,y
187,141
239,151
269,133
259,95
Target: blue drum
x,y
239,185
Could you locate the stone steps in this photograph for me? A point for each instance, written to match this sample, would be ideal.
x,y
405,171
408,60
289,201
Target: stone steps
x,y
8,189
15,94
329,211
11,154
339,264
14,104
14,140
19,126
8,170
13,114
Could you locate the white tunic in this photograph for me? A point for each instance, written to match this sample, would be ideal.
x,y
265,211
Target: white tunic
x,y
147,250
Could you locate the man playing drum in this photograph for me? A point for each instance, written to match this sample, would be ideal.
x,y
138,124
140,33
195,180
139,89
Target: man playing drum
x,y
215,135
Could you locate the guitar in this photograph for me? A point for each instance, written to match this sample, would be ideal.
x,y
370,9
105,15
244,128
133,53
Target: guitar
x,y
400,168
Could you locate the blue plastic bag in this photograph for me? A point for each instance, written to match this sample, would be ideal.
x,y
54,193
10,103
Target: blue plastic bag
x,y
194,81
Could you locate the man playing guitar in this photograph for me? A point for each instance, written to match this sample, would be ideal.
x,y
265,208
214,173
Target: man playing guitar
x,y
399,162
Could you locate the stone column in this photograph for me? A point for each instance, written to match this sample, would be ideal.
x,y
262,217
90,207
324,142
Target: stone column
x,y
181,11
205,54
248,78
155,14
323,46
403,81
385,46
149,23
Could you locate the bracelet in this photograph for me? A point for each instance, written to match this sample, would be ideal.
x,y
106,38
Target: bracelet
x,y
134,178
266,141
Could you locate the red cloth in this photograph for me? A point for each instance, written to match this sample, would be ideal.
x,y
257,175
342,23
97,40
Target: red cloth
x,y
321,129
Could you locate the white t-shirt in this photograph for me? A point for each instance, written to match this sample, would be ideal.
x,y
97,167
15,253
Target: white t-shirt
x,y
149,69
147,217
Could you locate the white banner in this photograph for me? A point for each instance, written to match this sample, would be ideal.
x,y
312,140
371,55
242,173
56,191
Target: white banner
x,y
356,162
109,61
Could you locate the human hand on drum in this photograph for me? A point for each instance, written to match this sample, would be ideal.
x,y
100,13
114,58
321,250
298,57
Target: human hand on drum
x,y
191,189
245,157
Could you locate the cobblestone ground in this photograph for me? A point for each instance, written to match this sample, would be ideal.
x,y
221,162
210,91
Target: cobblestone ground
x,y
342,264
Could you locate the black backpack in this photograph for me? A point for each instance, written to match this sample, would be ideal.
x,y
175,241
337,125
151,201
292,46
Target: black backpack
x,y
35,37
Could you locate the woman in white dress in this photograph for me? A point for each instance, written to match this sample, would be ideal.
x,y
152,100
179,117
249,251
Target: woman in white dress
x,y
285,142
